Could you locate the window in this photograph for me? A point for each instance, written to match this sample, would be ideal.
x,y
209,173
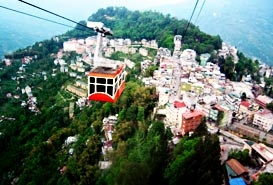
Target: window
x,y
116,79
110,81
91,79
116,88
92,88
100,88
101,80
110,90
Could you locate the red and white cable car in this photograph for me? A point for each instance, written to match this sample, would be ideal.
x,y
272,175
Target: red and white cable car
x,y
106,81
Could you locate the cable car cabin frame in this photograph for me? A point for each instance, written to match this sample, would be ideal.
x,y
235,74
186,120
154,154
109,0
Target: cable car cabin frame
x,y
106,84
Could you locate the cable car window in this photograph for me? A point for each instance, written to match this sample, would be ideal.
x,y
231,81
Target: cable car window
x,y
91,79
110,90
101,80
100,88
92,88
110,81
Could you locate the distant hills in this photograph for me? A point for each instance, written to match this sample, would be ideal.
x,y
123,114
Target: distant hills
x,y
16,33
244,24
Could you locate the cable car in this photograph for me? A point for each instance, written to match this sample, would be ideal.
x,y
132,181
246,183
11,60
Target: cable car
x,y
106,81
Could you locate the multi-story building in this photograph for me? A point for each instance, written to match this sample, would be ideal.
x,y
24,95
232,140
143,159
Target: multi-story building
x,y
263,119
233,99
247,110
81,84
109,52
76,90
214,113
90,41
70,45
174,113
262,100
122,48
191,120
143,51
177,42
163,97
204,58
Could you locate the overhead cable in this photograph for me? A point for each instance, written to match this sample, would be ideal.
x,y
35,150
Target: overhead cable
x,y
55,14
199,12
184,33
36,16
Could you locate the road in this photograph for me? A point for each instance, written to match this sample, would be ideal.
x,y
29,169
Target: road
x,y
228,141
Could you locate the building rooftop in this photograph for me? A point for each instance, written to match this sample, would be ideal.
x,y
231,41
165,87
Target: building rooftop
x,y
265,113
178,104
237,181
192,113
245,103
263,151
236,167
264,99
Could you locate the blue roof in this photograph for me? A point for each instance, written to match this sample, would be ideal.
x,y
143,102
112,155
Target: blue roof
x,y
237,181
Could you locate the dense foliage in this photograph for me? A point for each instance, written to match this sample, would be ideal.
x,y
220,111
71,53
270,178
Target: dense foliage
x,y
235,71
264,179
150,25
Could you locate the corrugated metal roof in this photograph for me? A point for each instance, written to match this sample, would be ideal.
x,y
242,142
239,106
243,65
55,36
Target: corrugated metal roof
x,y
236,166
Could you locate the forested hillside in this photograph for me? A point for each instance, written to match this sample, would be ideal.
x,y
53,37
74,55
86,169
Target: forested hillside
x,y
151,25
32,146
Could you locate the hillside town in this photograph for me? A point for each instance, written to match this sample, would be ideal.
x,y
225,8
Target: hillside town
x,y
184,85
188,91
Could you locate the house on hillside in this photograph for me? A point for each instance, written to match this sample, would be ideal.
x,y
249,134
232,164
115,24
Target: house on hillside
x,y
263,119
262,100
191,120
236,170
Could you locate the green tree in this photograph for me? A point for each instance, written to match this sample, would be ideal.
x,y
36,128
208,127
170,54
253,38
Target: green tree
x,y
264,178
242,156
202,129
270,106
227,67
202,154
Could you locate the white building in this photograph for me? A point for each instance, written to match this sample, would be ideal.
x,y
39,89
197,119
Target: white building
x,y
174,113
143,51
177,42
233,100
89,41
163,98
188,55
263,119
70,45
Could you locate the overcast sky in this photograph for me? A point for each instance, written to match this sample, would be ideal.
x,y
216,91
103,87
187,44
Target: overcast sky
x,y
244,23
82,9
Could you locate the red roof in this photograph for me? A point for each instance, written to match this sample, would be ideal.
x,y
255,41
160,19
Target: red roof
x,y
245,103
178,104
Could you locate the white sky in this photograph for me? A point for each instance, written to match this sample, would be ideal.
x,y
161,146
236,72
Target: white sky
x,y
82,9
